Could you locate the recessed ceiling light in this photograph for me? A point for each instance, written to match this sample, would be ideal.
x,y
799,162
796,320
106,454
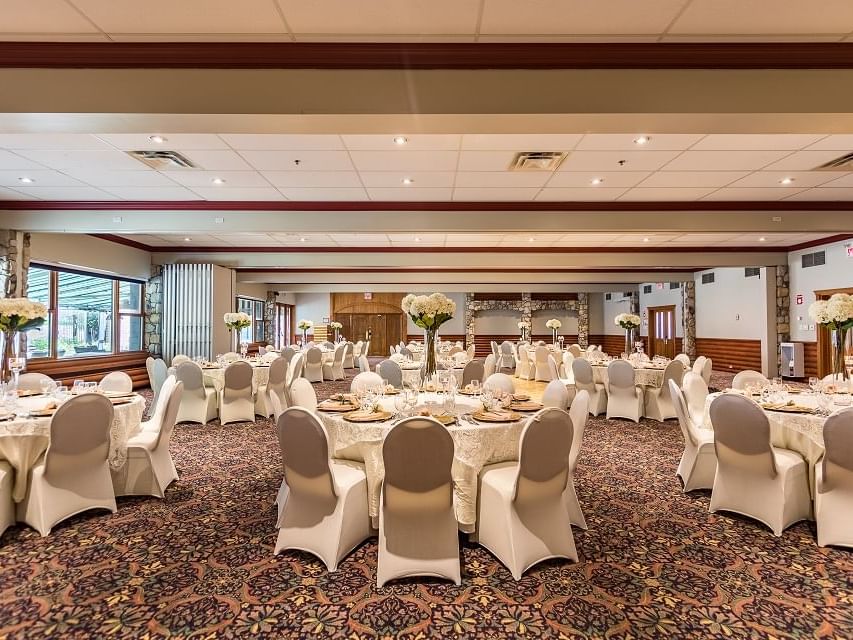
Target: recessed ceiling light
x,y
786,180
25,180
400,140
187,239
408,180
596,181
530,239
762,239
218,181
301,239
641,140
157,139
417,239
645,239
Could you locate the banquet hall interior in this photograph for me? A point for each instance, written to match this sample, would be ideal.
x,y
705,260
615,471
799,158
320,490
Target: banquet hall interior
x,y
426,319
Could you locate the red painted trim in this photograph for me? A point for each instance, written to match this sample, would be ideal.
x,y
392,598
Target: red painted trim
x,y
290,205
308,55
827,240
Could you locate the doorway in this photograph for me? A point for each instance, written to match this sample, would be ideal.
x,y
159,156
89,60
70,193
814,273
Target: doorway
x,y
662,331
384,329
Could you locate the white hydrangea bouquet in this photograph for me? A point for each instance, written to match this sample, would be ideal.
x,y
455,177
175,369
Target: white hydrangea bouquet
x,y
553,324
836,314
627,320
16,315
304,325
237,321
336,327
524,327
429,313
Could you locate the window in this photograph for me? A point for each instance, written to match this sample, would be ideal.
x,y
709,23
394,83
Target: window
x,y
608,296
815,259
647,288
255,310
88,314
707,278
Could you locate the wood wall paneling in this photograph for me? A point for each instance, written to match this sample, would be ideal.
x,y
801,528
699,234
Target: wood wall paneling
x,y
810,367
67,370
730,354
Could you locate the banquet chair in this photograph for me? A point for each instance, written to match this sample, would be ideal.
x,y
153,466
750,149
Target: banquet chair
x,y
287,353
313,365
748,377
753,478
349,356
500,381
149,469
543,371
157,408
528,371
74,474
584,381
454,350
116,382
471,350
460,358
32,381
356,350
276,381
567,376
556,395
365,381
157,374
698,462
659,399
522,518
695,393
7,505
302,394
707,368
832,377
334,370
579,413
230,356
392,350
262,351
363,364
553,369
520,361
489,365
496,351
366,350
684,359
198,403
833,501
179,358
277,409
391,371
323,502
507,357
269,356
236,400
474,370
329,345
698,364
405,351
624,397
418,532
575,350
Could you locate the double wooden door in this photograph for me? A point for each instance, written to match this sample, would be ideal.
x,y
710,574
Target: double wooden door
x,y
382,329
661,331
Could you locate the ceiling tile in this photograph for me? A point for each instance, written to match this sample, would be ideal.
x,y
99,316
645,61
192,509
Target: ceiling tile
x,y
232,179
609,160
772,179
324,194
13,162
585,194
186,16
238,193
755,142
42,178
394,179
756,193
824,193
414,194
385,142
332,179
626,141
30,16
585,178
172,141
404,160
835,142
502,179
153,193
107,178
557,38
380,37
55,37
381,16
283,142
50,141
578,16
247,239
82,159
215,160
723,160
9,194
686,194
520,141
692,178
485,160
846,180
495,195
765,17
804,160
66,193
307,160
714,38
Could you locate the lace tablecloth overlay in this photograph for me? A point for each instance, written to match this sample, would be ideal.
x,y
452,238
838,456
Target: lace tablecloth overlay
x,y
215,376
24,440
644,377
412,373
475,447
800,432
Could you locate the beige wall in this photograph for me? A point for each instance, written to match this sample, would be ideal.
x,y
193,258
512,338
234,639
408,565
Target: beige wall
x,y
223,302
253,290
86,252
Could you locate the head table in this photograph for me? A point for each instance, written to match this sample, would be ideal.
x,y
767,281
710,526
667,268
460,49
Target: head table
x,y
475,445
24,439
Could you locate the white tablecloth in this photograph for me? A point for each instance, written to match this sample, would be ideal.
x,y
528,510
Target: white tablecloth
x,y
24,440
800,432
412,373
475,447
643,376
215,377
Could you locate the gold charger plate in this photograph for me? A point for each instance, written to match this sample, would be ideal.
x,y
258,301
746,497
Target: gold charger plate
x,y
392,392
119,394
42,413
520,397
26,393
375,416
787,408
526,406
444,418
488,416
470,393
336,407
120,401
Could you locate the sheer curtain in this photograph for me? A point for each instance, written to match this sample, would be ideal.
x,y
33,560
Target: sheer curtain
x,y
187,310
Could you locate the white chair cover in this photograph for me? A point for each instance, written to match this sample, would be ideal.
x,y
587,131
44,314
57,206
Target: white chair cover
x,y
236,400
276,384
698,463
365,381
179,358
349,356
543,370
684,359
556,395
32,381
507,357
474,370
363,364
695,392
659,404
116,381
747,377
198,403
390,371
335,370
579,413
7,505
584,382
490,365
624,398
313,365
157,374
833,503
500,381
230,356
302,395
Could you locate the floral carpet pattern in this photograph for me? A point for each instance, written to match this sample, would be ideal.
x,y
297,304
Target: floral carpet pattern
x,y
199,564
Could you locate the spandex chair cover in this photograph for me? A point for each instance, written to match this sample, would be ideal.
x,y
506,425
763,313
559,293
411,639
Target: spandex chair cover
x,y
363,364
198,403
334,370
579,413
659,404
302,395
157,374
313,367
116,381
543,370
474,370
489,366
276,382
556,395
500,381
746,377
698,463
584,382
365,381
7,505
390,371
236,400
834,482
507,359
32,381
695,392
684,359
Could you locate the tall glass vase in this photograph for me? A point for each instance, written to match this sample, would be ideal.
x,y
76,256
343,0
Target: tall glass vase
x,y
8,355
629,341
839,348
428,368
554,336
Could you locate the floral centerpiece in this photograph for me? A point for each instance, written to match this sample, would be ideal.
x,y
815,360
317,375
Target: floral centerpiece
x,y
630,322
836,314
524,327
16,315
236,322
429,313
336,327
303,326
554,325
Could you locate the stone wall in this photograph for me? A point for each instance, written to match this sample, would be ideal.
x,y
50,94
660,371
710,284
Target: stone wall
x,y
583,320
15,258
269,317
153,320
688,317
783,310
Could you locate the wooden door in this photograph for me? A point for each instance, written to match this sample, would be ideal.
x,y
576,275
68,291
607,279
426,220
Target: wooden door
x,y
661,331
383,329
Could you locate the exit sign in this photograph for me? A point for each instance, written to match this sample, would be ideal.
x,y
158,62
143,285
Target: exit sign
x,y
849,248
368,296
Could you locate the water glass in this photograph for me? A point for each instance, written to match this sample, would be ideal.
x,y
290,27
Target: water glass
x,y
10,400
824,403
60,392
47,386
77,388
487,397
814,384
90,387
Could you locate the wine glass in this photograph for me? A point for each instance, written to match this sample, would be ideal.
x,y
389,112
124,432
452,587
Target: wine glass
x,y
487,397
401,404
47,386
814,383
77,388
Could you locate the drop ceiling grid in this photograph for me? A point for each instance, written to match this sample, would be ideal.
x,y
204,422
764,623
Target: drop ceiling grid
x,y
763,156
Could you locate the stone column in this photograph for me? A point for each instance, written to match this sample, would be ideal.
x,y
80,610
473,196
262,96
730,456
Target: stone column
x,y
153,320
527,313
688,317
269,317
469,319
783,310
15,256
583,319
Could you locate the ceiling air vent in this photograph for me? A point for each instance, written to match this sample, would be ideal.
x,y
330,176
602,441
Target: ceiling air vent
x,y
161,160
844,163
537,160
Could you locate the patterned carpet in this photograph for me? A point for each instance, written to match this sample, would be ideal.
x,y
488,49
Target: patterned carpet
x,y
654,563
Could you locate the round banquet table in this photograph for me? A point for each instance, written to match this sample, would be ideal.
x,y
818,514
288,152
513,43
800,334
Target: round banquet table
x,y
800,432
214,376
412,373
649,376
23,440
475,446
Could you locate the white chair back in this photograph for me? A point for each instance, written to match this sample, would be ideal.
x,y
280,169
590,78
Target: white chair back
x,y
230,356
684,359
366,380
500,381
679,403
390,371
556,395
179,358
277,381
543,458
474,370
304,446
747,377
117,382
238,383
837,464
79,436
471,350
579,413
582,370
262,351
698,364
695,392
741,436
489,366
543,369
302,395
191,375
168,418
363,364
32,381
620,376
568,373
575,350
673,371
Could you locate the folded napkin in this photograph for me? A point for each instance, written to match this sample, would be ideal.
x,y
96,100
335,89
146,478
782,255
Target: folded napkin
x,y
496,414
